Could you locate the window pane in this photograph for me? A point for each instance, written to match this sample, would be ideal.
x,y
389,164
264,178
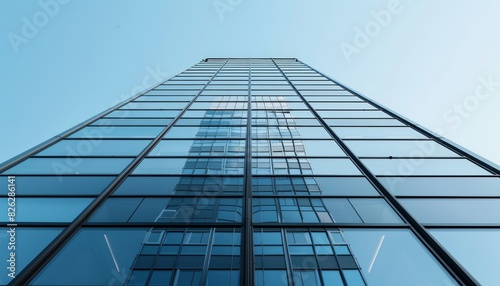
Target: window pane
x,y
375,211
419,166
199,148
394,257
270,277
206,132
460,211
60,185
42,209
309,166
154,105
190,166
117,132
62,166
164,98
345,186
342,105
476,249
211,185
353,186
144,113
296,148
290,132
332,277
353,277
377,132
223,278
363,122
136,121
352,114
435,186
160,278
107,253
80,148
116,210
399,148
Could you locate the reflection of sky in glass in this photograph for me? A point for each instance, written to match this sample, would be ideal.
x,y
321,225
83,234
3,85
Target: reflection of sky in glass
x,y
395,257
478,250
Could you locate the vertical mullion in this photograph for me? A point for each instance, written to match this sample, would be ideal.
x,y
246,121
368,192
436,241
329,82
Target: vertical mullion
x,y
247,271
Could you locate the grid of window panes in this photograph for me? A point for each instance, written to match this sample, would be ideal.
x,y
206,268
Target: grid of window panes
x,y
169,169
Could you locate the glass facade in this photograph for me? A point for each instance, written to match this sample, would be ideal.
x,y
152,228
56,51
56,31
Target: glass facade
x,y
249,171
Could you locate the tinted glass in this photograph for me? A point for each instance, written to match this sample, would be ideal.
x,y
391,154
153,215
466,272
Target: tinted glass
x,y
394,257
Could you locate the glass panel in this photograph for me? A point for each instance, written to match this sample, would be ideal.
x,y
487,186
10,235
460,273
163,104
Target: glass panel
x,y
219,105
363,122
137,121
60,185
144,113
394,257
107,253
62,166
164,98
377,132
117,132
346,186
80,148
216,122
312,186
296,148
172,92
190,166
223,278
43,209
353,277
399,148
199,148
420,166
206,132
352,114
155,105
180,185
460,211
342,211
116,210
290,132
476,249
25,248
332,277
375,211
342,105
332,98
306,278
304,166
434,186
270,277
160,278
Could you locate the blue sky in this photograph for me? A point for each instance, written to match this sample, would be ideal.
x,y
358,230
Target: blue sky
x,y
434,62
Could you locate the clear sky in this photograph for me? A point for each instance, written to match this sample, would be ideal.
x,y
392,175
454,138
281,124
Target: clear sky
x,y
434,62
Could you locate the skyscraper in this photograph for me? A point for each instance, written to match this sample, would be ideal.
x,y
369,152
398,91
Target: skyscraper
x,y
247,171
